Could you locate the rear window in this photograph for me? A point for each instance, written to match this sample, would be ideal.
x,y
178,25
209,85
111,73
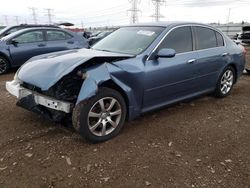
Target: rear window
x,y
205,38
220,41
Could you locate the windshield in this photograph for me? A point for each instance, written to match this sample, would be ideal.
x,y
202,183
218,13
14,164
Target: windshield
x,y
129,40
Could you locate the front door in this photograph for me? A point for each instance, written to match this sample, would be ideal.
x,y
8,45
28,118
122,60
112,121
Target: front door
x,y
27,45
170,79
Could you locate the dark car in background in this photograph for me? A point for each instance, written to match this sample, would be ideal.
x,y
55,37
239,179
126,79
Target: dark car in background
x,y
18,47
132,71
244,37
11,29
100,36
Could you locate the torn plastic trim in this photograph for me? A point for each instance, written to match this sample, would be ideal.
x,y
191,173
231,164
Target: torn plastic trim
x,y
95,76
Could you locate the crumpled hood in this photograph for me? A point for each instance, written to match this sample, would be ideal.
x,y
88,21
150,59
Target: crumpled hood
x,y
45,70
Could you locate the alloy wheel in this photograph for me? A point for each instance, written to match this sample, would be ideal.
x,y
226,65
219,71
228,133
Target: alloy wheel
x,y
104,116
3,66
227,82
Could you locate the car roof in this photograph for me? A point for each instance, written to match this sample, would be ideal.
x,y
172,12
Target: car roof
x,y
167,24
34,25
172,24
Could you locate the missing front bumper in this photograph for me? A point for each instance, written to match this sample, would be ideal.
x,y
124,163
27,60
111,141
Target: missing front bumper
x,y
21,93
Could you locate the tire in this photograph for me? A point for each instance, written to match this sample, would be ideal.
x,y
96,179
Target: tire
x,y
101,117
248,71
4,65
225,83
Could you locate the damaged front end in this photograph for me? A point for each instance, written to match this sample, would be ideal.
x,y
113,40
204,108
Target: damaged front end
x,y
56,102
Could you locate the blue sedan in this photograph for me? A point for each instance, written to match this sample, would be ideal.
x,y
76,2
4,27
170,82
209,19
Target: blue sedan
x,y
18,47
132,71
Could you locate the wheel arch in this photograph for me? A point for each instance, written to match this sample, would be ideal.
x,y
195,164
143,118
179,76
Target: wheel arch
x,y
112,85
233,65
6,57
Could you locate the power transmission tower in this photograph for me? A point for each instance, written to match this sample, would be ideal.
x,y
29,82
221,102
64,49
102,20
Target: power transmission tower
x,y
49,10
158,4
6,20
134,11
34,15
17,20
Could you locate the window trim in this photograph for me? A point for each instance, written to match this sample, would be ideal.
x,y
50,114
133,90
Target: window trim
x,y
46,35
151,54
28,32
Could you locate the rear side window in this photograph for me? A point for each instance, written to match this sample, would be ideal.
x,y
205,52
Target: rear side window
x,y
179,39
205,38
57,35
220,41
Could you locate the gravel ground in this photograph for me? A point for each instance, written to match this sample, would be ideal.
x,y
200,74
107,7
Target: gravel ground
x,y
203,143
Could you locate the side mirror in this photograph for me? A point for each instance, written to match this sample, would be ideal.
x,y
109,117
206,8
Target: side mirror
x,y
14,42
166,53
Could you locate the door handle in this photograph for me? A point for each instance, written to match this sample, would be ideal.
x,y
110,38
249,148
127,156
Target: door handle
x,y
191,61
70,42
41,45
224,54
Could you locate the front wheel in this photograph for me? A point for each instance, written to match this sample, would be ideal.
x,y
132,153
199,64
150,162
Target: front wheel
x,y
101,117
225,82
4,65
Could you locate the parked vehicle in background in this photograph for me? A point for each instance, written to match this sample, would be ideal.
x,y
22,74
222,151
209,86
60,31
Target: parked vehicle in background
x,y
100,36
134,70
11,29
18,47
244,37
2,27
85,34
94,34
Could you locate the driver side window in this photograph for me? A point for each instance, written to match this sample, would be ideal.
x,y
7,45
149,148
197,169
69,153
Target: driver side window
x,y
29,37
179,39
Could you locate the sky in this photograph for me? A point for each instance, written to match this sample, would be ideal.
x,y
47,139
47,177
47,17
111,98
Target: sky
x,y
95,13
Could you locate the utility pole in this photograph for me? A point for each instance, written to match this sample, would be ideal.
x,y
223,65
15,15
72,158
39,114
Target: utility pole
x,y
49,11
6,20
34,15
82,25
229,14
134,11
228,19
17,20
158,4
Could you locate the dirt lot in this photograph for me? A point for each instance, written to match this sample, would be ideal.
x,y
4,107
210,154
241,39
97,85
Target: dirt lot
x,y
203,143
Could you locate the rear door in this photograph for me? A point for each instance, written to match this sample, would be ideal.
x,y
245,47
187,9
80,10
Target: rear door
x,y
28,44
59,40
212,57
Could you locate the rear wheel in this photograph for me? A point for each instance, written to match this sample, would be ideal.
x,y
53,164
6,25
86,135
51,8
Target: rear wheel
x,y
4,65
101,117
225,82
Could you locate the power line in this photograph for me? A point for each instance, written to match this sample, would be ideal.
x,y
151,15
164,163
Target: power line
x,y
158,4
34,15
49,10
134,11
